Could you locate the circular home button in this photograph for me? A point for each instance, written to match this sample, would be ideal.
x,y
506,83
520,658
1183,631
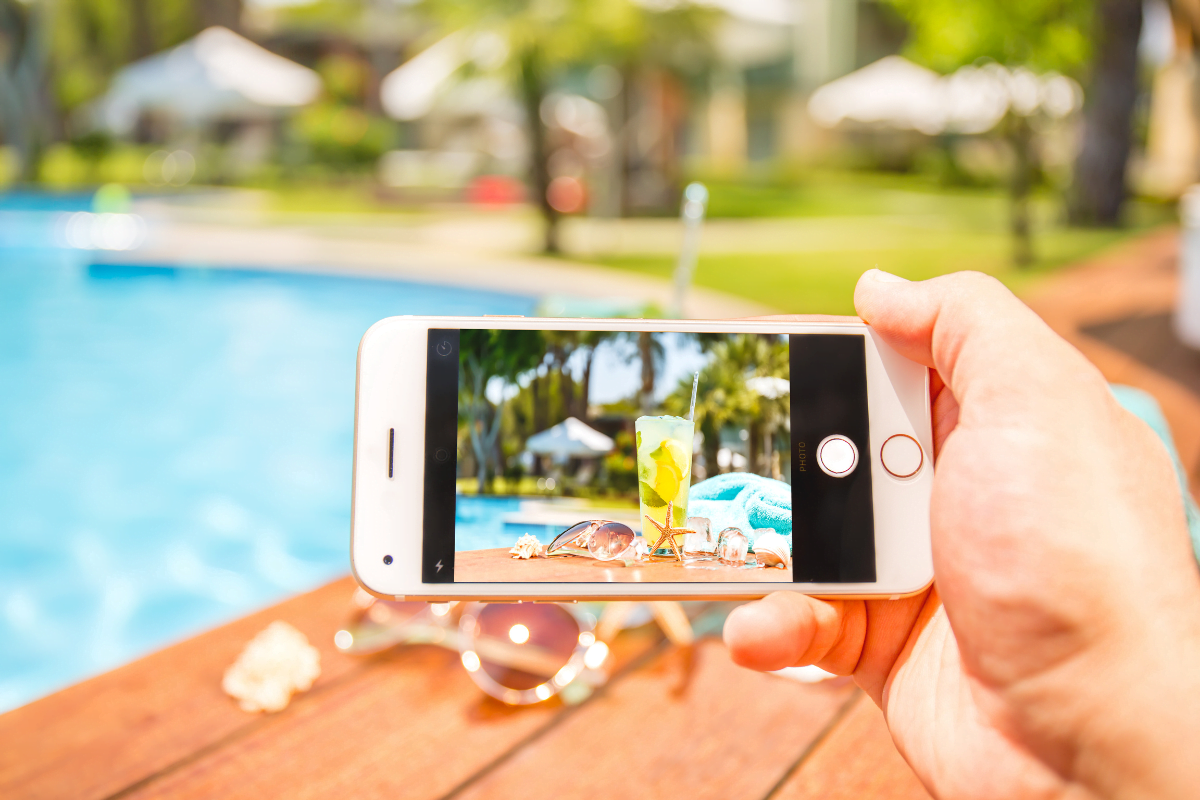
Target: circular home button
x,y
837,456
902,456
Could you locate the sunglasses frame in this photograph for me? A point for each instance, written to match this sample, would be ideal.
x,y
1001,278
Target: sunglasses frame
x,y
434,625
573,547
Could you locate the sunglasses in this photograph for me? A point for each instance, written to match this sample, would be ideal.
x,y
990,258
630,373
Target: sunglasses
x,y
601,539
518,653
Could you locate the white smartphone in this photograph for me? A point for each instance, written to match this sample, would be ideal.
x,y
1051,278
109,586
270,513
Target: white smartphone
x,y
510,458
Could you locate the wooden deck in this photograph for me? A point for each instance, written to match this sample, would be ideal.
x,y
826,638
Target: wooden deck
x,y
409,723
1107,307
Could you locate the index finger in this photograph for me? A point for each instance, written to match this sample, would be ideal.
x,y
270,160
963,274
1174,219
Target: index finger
x,y
973,330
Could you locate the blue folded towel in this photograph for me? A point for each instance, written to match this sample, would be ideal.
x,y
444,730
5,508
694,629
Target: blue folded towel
x,y
743,500
1145,407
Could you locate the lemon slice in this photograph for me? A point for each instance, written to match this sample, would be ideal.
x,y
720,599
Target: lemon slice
x,y
677,454
666,482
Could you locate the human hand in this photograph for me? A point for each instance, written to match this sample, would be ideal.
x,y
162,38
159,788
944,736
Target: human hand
x,y
1059,654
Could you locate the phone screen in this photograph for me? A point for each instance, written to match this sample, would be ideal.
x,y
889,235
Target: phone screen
x,y
647,457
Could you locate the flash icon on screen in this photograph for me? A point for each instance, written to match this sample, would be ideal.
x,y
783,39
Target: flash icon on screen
x,y
439,566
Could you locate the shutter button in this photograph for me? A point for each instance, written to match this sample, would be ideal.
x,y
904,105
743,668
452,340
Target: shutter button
x,y
837,456
902,456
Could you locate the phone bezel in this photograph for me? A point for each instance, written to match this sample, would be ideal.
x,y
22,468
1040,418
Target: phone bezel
x,y
387,513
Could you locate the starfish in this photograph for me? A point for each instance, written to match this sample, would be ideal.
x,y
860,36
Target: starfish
x,y
668,534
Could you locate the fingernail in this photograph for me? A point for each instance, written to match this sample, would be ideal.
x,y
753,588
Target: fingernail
x,y
887,277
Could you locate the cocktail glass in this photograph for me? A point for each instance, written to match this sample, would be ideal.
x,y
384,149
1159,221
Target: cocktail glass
x,y
664,463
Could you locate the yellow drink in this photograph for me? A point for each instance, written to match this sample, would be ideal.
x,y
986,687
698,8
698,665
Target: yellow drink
x,y
664,463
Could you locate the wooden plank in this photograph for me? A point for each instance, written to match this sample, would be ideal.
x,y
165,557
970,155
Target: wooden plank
x,y
411,724
730,733
855,761
415,728
100,736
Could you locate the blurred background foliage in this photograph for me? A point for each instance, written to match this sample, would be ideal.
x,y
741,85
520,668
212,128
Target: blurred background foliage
x,y
580,122
1042,35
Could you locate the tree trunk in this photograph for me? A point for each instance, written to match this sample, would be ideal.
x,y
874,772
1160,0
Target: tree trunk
x,y
533,92
1020,137
227,13
585,387
753,453
646,351
491,445
566,386
28,111
142,37
1099,186
711,445
538,388
622,139
476,421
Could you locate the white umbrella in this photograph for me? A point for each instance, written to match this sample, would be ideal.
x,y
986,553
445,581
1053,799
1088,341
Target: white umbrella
x,y
769,387
893,91
569,438
215,75
408,92
896,93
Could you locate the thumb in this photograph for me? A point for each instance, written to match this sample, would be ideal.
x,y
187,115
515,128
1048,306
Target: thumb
x,y
970,328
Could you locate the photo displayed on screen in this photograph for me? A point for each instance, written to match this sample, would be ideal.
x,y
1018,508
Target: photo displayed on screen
x,y
587,456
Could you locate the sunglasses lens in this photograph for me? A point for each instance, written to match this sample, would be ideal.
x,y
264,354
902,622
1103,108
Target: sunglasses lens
x,y
520,653
567,538
610,540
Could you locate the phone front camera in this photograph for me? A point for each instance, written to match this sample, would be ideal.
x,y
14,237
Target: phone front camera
x,y
387,560
444,348
441,456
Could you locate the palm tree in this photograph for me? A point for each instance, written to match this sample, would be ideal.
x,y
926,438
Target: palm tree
x,y
589,341
484,356
723,398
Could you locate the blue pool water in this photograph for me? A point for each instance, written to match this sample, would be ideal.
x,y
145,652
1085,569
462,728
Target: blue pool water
x,y
175,448
479,522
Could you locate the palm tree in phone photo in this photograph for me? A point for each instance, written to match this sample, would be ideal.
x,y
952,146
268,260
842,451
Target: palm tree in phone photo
x,y
496,358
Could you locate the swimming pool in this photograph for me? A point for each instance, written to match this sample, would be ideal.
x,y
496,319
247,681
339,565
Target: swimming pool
x,y
175,448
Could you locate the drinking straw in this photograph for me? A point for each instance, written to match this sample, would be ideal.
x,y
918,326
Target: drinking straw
x,y
695,386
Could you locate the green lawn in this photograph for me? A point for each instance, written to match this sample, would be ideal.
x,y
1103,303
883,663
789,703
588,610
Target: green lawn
x,y
846,223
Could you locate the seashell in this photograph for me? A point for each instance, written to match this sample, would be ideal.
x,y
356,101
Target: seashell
x,y
526,547
772,550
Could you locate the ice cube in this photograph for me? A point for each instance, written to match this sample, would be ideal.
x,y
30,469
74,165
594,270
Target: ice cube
x,y
732,547
699,544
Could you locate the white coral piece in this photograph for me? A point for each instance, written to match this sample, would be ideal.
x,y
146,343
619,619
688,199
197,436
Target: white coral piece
x,y
526,547
276,663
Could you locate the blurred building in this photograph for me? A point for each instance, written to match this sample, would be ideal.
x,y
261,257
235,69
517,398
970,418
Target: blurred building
x,y
626,135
